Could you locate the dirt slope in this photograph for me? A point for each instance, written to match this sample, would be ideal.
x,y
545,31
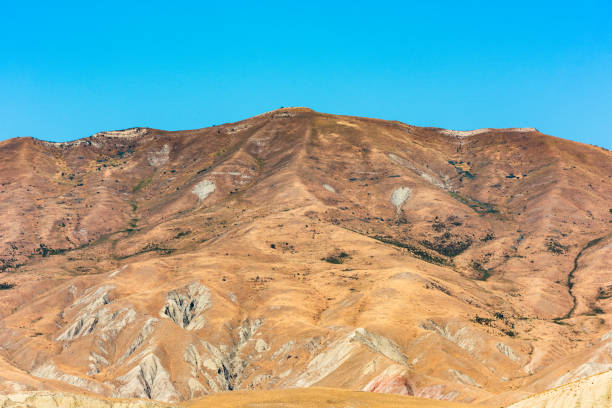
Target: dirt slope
x,y
300,249
307,397
591,392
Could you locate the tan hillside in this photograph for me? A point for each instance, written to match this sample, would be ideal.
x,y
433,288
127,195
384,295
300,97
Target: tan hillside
x,y
590,392
300,397
301,249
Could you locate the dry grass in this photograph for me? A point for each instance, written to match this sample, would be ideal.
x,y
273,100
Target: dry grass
x,y
316,398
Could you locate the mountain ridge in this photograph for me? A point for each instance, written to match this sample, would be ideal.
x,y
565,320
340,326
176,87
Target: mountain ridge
x,y
315,250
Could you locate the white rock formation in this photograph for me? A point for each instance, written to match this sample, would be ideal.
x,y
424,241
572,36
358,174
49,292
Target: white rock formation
x,y
50,372
185,306
468,133
149,379
329,188
160,158
203,189
329,360
507,351
399,197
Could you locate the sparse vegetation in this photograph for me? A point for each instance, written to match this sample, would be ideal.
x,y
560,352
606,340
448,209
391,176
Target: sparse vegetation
x,y
182,234
45,251
149,248
556,247
478,206
448,244
418,252
604,292
489,237
459,166
483,273
337,258
6,286
143,183
485,321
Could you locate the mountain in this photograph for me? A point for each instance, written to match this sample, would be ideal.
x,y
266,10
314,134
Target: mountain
x,y
301,249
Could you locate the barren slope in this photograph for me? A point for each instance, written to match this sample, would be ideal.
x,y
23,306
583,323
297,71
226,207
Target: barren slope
x,y
299,249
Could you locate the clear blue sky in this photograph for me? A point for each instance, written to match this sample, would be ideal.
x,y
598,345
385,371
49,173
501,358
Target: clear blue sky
x,y
70,69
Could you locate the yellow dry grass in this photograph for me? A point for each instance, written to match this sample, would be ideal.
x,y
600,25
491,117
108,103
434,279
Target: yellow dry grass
x,y
316,397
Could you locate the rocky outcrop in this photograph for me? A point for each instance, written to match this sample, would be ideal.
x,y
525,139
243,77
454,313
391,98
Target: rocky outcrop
x,y
203,189
146,330
392,380
507,351
462,378
462,336
338,352
50,372
149,379
399,197
223,368
379,344
185,306
89,304
160,157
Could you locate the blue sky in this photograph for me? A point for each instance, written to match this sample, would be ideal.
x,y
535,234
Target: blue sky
x,y
70,69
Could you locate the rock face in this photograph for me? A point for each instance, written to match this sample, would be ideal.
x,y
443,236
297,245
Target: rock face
x,y
399,197
185,306
147,380
300,249
204,188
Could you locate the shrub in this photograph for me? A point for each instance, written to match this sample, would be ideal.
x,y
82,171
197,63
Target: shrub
x,y
418,252
46,251
489,237
555,247
446,245
483,273
482,320
337,259
6,286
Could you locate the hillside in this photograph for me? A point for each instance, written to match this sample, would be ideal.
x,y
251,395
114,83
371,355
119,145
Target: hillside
x,y
302,249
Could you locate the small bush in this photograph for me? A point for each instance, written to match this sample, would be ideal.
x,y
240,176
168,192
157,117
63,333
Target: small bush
x,y
556,247
482,320
337,259
45,251
489,237
483,273
604,292
6,286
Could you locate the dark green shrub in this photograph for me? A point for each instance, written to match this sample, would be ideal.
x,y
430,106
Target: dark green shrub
x,y
556,247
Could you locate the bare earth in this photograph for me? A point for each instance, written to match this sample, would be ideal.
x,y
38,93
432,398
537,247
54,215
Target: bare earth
x,y
298,249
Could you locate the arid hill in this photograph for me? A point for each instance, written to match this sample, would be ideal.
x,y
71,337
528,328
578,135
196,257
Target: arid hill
x,y
298,249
